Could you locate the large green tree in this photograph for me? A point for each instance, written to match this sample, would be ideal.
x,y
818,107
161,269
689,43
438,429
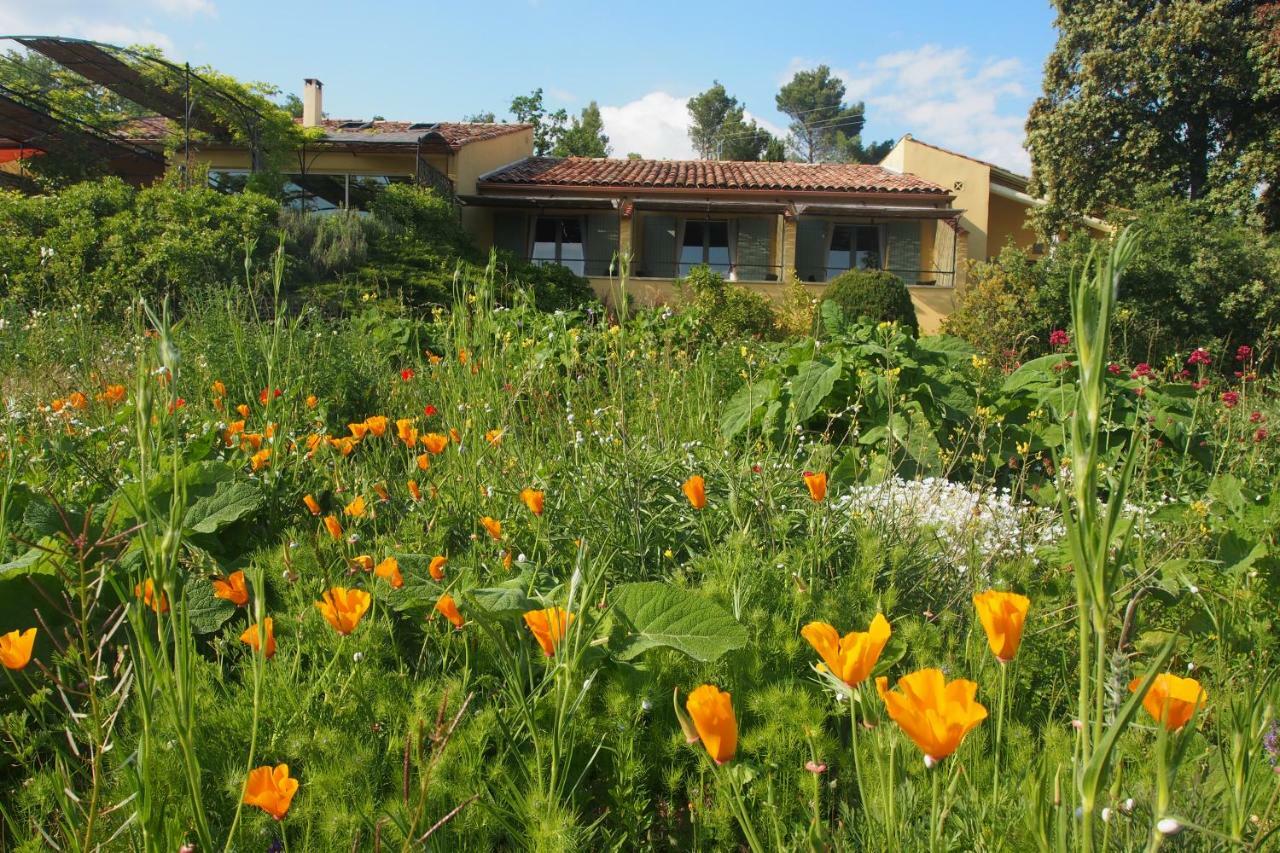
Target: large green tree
x,y
823,127
719,129
585,137
1180,94
548,127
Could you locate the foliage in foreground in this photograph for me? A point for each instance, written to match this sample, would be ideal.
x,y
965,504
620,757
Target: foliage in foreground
x,y
551,461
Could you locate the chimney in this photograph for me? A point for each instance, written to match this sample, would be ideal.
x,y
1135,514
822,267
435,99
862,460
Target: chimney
x,y
312,102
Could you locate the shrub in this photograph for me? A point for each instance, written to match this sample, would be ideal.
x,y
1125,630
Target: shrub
x,y
999,311
322,246
727,311
874,294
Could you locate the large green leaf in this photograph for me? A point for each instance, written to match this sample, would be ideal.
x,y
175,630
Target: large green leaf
x,y
744,409
231,502
206,612
503,599
810,387
658,615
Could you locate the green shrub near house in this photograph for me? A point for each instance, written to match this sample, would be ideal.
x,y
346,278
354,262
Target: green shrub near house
x,y
723,310
875,294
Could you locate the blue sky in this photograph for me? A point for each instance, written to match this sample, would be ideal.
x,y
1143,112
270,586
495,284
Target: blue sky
x,y
958,75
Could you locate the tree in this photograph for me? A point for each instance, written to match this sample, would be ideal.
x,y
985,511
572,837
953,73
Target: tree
x,y
585,137
720,130
823,127
1182,94
547,127
483,117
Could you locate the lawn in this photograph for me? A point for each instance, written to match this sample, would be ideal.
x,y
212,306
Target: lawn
x,y
497,578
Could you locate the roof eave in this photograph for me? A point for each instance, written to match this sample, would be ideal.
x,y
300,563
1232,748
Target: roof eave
x,y
498,187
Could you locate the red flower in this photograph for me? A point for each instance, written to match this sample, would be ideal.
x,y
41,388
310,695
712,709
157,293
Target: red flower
x,y
407,374
430,410
1197,386
1244,352
1255,417
1058,339
1114,369
177,404
1230,399
1260,435
264,393
1141,371
1199,356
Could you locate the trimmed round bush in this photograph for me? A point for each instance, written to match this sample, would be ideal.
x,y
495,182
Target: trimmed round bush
x,y
876,294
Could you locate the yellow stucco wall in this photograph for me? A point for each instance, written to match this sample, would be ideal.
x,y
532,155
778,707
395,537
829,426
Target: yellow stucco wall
x,y
1008,221
967,179
474,160
932,304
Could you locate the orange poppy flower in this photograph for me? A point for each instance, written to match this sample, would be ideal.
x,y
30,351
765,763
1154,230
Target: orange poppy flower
x,y
424,462
414,491
358,431
251,441
15,648
1172,700
376,425
232,588
506,560
345,445
233,429
271,790
493,526
549,627
494,436
219,390
335,529
312,504
343,608
57,404
147,592
313,441
448,608
533,499
462,356
1002,615
355,509
244,410
695,489
712,711
852,657
113,395
78,400
817,484
363,562
936,715
250,637
406,431
260,460
435,443
312,401
389,570
270,431
381,491
455,436
437,567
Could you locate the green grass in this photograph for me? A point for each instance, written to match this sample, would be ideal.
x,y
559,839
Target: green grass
x,y
582,750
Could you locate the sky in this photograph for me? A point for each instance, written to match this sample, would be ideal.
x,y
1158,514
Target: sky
x,y
959,75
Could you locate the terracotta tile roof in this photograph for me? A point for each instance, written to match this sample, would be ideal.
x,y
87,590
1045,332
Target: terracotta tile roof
x,y
707,174
454,134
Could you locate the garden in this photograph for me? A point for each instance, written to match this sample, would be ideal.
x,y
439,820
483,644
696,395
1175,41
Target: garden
x,y
305,569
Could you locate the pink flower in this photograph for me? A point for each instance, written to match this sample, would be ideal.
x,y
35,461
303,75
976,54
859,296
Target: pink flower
x,y
1141,371
1244,352
407,374
1114,369
1230,399
1200,356
1197,386
1058,339
1260,435
1255,417
815,767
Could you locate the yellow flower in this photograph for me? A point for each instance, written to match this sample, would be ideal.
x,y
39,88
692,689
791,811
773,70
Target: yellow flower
x,y
363,562
1002,615
934,714
271,790
15,648
1172,700
549,627
712,711
695,489
852,657
355,509
343,608
494,436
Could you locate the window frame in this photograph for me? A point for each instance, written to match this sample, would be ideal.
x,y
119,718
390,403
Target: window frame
x,y
576,265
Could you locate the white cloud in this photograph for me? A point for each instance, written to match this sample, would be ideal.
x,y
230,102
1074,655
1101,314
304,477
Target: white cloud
x,y
655,125
944,96
118,22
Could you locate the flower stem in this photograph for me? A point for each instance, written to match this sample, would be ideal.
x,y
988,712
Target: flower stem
x,y
995,776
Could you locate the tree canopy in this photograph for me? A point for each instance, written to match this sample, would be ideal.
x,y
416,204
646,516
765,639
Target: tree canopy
x,y
720,130
1180,94
555,134
823,127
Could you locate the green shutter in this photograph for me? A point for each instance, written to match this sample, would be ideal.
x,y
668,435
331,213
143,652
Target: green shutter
x,y
903,250
753,250
602,242
658,252
511,233
811,250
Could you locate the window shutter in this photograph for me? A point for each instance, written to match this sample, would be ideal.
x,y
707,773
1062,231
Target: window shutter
x,y
903,250
602,242
658,252
753,250
811,249
511,233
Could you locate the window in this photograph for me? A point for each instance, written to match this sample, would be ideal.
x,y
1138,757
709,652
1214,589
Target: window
x,y
853,247
559,241
705,242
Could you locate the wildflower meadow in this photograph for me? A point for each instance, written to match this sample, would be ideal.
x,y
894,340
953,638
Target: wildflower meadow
x,y
274,577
